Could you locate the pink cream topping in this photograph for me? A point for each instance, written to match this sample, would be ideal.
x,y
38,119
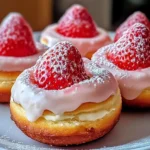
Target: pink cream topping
x,y
21,63
35,100
84,45
131,83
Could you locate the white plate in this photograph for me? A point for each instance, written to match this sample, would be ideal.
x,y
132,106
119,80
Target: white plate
x,y
131,132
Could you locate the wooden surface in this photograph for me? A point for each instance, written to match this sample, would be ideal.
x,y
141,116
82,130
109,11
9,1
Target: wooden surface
x,y
37,12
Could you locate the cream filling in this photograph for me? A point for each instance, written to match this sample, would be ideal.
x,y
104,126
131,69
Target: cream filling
x,y
81,117
87,116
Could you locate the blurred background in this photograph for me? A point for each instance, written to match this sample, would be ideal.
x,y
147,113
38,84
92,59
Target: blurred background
x,y
106,13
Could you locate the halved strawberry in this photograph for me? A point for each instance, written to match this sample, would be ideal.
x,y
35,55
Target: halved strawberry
x,y
60,67
132,50
77,22
16,37
137,17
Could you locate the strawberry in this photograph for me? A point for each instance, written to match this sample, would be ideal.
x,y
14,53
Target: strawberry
x,y
132,50
16,37
137,17
60,67
77,23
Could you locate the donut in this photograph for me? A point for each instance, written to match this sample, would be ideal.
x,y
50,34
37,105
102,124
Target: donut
x,y
64,99
80,31
128,60
18,51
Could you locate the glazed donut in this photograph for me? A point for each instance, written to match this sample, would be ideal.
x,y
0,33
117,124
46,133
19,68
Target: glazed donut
x,y
10,68
132,75
142,101
77,114
86,45
18,51
69,131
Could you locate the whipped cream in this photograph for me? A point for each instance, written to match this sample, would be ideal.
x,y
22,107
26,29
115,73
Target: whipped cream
x,y
90,116
21,63
131,83
35,100
84,45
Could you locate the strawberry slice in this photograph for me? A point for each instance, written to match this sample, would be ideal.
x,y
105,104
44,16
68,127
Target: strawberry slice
x,y
137,17
77,23
60,67
132,50
16,37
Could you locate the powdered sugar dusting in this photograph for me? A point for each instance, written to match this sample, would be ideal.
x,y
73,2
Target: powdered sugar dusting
x,y
131,82
100,59
21,63
77,23
16,36
136,17
93,70
60,66
132,50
